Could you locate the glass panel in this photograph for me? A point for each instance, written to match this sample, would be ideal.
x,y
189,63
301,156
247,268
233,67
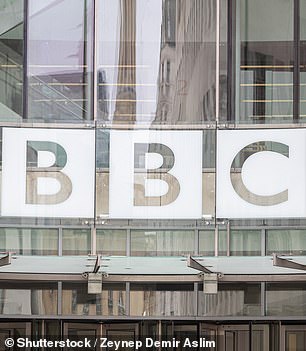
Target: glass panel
x,y
286,299
161,243
162,300
295,340
111,242
290,241
60,60
207,242
231,300
222,250
245,242
76,241
29,241
302,5
264,61
11,60
103,180
156,61
25,298
111,302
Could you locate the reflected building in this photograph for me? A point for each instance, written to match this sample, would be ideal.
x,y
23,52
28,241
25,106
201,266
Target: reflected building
x,y
125,109
187,68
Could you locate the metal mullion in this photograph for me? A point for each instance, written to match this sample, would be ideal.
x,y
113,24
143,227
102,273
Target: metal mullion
x,y
59,297
296,60
95,63
263,242
93,235
25,60
128,298
60,241
128,242
216,240
196,303
196,242
262,298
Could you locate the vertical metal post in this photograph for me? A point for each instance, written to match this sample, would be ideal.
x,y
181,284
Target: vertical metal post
x,y
25,59
128,298
262,298
263,242
95,61
128,242
196,289
59,297
217,240
217,59
228,239
60,241
296,60
93,240
196,242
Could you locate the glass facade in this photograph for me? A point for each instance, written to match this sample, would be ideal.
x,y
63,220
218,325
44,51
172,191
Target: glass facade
x,y
167,77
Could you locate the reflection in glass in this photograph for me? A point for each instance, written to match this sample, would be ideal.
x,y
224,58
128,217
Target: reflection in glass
x,y
290,241
111,242
29,241
111,302
76,241
245,243
21,298
207,242
264,61
156,61
60,60
286,299
162,300
11,60
232,300
161,243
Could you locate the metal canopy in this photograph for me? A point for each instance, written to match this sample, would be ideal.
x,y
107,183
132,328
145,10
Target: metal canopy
x,y
122,265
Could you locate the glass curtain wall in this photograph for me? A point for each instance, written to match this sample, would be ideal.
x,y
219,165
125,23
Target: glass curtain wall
x,y
60,60
263,64
156,61
11,60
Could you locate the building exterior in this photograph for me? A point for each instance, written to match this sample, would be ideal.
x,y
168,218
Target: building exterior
x,y
153,172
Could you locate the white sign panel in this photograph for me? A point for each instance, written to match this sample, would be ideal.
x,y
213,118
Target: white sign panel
x,y
155,174
48,172
261,173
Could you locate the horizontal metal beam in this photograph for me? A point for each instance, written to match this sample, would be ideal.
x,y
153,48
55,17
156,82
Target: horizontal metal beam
x,y
120,278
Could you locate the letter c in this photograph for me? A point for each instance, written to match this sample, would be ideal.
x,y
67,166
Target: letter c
x,y
236,178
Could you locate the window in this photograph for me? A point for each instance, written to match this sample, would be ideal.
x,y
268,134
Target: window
x,y
76,241
161,243
111,242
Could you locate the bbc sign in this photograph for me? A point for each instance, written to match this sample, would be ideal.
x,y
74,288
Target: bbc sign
x,y
153,174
